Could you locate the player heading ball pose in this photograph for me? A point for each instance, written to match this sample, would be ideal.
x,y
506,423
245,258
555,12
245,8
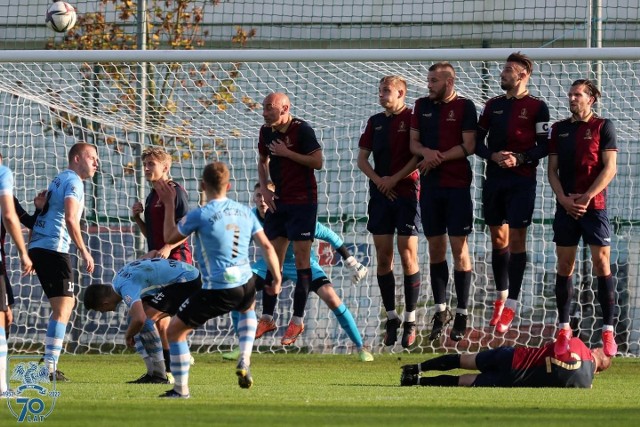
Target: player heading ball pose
x,y
152,288
222,230
517,127
582,163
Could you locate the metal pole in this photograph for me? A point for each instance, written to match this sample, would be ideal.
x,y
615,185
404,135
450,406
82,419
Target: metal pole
x,y
142,108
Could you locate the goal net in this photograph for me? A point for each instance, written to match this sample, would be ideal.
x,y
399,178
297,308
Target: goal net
x,y
206,105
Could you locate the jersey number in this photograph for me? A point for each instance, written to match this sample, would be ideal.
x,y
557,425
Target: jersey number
x,y
236,239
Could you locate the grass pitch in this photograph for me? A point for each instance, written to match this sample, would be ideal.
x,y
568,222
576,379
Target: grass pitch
x,y
325,390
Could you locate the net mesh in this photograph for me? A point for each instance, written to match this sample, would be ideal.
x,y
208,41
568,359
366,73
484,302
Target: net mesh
x,y
211,111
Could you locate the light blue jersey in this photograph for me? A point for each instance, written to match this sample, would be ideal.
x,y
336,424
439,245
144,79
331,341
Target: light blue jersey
x,y
223,230
50,230
6,181
289,272
147,277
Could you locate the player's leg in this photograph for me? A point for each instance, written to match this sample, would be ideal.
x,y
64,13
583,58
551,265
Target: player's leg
x,y
61,308
245,304
149,346
462,282
322,286
387,285
439,272
162,324
180,358
4,349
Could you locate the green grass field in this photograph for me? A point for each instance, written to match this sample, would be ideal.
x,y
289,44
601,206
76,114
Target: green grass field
x,y
325,390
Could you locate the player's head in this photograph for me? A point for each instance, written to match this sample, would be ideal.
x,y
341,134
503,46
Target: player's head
x,y
83,159
215,179
156,163
392,92
582,95
602,361
101,298
516,71
440,81
258,199
275,109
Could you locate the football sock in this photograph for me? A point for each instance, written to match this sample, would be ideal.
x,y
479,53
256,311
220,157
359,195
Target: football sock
x,y
53,343
235,316
499,264
439,277
392,314
348,324
606,297
410,316
462,283
387,284
180,365
268,301
564,295
247,324
166,355
411,291
440,380
4,349
441,363
511,303
152,344
517,265
301,291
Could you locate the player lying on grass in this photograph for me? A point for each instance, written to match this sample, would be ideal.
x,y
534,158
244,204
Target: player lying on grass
x,y
514,367
320,284
152,288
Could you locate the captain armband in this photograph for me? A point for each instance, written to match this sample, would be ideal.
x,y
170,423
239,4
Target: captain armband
x,y
542,127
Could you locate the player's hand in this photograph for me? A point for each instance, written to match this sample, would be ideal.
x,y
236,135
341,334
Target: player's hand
x,y
40,200
358,271
274,288
279,148
385,185
88,259
164,252
26,265
432,158
137,209
269,198
423,167
166,192
9,316
130,341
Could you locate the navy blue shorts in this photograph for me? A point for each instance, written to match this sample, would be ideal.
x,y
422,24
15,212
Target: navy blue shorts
x,y
446,211
206,304
509,201
593,227
495,367
386,216
171,297
295,222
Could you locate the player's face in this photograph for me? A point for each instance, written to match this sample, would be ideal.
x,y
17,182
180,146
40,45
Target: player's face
x,y
580,101
88,163
510,76
258,199
390,98
154,169
273,112
437,85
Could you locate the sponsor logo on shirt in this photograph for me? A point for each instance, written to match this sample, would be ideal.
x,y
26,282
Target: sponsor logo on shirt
x,y
498,111
451,117
378,128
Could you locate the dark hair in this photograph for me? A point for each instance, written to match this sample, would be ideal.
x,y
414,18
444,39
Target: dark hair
x,y
523,60
95,294
216,175
79,148
590,88
443,66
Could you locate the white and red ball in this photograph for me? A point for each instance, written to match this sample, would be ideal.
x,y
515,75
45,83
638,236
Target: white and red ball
x,y
61,17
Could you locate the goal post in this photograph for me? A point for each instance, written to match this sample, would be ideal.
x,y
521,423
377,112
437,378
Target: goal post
x,y
205,105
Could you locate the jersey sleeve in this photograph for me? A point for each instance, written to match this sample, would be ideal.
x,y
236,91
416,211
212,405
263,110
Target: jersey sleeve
x,y
325,234
308,140
262,142
129,292
190,222
75,189
182,203
482,150
256,225
541,149
553,139
470,119
415,116
366,139
6,181
608,136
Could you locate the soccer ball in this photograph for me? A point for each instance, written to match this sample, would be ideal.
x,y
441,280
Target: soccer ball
x,y
61,17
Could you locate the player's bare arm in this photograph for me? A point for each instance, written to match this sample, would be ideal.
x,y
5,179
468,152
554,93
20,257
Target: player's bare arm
x,y
263,177
12,225
136,322
71,209
603,179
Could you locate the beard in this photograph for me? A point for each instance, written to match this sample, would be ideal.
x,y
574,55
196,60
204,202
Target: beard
x,y
506,85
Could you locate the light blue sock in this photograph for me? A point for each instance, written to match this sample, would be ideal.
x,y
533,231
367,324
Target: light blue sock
x,y
247,325
235,319
53,343
4,350
180,365
348,324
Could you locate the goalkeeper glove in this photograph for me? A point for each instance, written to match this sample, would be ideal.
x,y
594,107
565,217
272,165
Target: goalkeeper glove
x,y
358,271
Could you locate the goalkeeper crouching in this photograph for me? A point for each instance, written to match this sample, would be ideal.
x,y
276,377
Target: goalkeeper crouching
x,y
152,288
320,284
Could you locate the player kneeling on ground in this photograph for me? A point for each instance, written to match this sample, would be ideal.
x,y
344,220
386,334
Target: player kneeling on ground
x,y
514,367
152,288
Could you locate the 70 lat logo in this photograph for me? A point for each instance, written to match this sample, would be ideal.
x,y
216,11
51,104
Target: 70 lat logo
x,y
32,396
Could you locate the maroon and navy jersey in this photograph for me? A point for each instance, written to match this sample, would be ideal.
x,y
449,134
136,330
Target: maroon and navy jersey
x,y
541,367
579,146
387,137
154,220
295,183
441,126
516,125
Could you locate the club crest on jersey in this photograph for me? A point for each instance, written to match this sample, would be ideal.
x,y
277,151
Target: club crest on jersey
x,y
33,393
587,134
451,117
523,114
402,127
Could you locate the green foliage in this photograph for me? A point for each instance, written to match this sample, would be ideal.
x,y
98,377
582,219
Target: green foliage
x,y
320,390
